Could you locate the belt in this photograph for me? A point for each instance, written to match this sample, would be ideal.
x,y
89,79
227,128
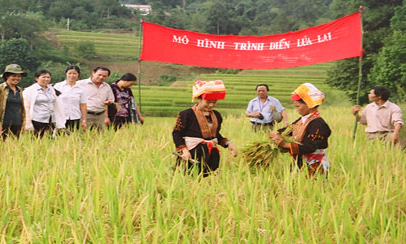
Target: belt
x,y
255,123
95,113
379,132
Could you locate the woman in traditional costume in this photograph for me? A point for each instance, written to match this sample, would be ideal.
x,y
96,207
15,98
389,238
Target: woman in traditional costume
x,y
310,131
197,129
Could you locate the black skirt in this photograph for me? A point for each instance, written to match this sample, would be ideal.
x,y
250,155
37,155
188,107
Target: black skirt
x,y
204,161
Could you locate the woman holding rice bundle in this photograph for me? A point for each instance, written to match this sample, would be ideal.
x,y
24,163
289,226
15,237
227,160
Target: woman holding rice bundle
x,y
310,130
197,129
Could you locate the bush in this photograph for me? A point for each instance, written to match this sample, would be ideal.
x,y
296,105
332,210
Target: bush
x,y
166,79
17,51
228,71
86,49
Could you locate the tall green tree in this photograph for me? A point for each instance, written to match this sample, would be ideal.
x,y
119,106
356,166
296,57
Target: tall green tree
x,y
376,23
390,66
22,25
17,51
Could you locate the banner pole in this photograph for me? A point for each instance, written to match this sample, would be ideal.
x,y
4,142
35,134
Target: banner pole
x,y
361,10
139,65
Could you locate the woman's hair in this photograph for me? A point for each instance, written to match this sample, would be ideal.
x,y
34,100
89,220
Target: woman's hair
x,y
6,75
72,67
128,77
301,101
41,72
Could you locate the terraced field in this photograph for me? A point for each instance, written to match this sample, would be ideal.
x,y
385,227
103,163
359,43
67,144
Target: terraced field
x,y
107,44
168,101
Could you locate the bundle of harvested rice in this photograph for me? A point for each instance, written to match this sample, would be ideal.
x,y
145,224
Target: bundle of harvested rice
x,y
261,154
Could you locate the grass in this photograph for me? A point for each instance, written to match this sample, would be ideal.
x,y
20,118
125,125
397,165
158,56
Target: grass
x,y
121,188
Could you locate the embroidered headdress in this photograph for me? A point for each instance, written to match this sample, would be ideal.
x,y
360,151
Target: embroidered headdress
x,y
209,90
309,94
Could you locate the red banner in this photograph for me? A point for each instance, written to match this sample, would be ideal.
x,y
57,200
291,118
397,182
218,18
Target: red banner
x,y
335,40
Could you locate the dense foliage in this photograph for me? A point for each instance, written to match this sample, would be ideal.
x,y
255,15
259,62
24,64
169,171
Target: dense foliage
x,y
377,28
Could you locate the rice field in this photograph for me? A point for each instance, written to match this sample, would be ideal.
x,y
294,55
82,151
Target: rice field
x,y
168,100
121,187
106,44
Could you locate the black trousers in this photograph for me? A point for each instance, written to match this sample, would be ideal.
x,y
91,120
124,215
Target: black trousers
x,y
73,124
118,122
10,130
41,128
205,162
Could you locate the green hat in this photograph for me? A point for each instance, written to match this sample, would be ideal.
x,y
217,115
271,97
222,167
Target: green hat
x,y
14,69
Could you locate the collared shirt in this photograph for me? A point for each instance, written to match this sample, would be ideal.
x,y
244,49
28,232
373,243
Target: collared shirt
x,y
255,105
4,93
96,96
380,119
44,105
70,99
12,115
304,118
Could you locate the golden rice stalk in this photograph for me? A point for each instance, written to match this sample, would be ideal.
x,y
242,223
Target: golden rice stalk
x,y
261,154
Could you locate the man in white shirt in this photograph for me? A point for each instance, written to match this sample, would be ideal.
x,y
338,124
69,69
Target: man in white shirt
x,y
265,110
99,96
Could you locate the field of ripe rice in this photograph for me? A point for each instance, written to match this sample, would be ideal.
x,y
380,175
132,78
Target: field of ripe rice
x,y
121,187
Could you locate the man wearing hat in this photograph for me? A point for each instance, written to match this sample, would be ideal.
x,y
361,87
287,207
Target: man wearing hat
x,y
12,112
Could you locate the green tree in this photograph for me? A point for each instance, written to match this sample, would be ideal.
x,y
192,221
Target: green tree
x,y
376,23
22,25
17,51
390,66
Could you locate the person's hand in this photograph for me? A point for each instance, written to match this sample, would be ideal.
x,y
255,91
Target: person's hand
x,y
356,109
285,124
107,121
185,154
232,149
256,114
395,137
108,102
273,134
83,124
279,141
141,120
